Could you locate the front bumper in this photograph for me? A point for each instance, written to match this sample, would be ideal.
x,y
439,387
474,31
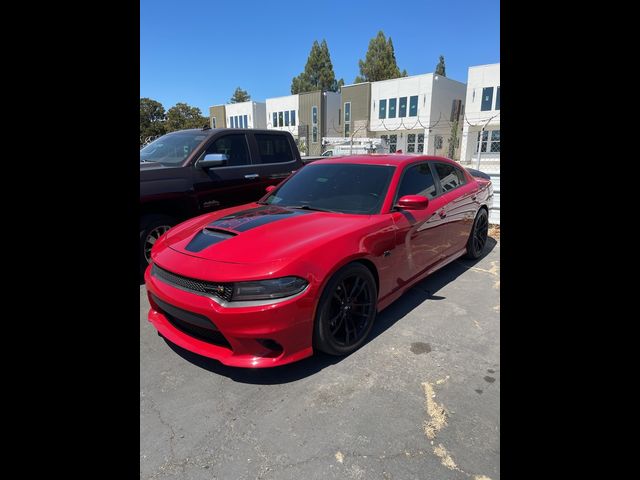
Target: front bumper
x,y
258,336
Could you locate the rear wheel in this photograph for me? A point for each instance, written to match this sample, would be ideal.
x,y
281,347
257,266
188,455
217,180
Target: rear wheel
x,y
152,227
346,311
479,233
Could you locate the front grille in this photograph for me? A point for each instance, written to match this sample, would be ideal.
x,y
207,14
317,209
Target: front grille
x,y
202,287
192,324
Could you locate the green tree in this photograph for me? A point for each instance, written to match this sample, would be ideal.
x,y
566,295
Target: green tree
x,y
152,119
380,61
182,116
240,96
318,72
440,67
453,139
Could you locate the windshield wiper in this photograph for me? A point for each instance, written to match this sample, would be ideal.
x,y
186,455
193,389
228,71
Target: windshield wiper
x,y
309,207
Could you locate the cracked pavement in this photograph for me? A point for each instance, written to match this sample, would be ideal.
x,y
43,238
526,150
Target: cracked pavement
x,y
358,417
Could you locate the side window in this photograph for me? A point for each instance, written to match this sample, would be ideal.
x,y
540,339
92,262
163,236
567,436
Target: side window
x,y
274,149
234,146
417,180
450,177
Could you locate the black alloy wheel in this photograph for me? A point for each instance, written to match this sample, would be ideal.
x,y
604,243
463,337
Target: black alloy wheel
x,y
479,233
346,311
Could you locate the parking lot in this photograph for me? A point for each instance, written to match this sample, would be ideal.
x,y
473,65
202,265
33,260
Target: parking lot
x,y
420,400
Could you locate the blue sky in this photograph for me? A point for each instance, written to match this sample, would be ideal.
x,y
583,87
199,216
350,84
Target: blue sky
x,y
198,51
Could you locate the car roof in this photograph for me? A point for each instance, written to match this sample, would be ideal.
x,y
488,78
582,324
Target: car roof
x,y
394,159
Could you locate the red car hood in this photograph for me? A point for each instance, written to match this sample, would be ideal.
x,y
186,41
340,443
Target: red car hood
x,y
256,233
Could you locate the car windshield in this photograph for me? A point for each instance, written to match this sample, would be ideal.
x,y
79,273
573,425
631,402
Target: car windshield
x,y
337,187
172,148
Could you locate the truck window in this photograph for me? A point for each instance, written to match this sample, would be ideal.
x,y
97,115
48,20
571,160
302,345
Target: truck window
x,y
234,146
274,148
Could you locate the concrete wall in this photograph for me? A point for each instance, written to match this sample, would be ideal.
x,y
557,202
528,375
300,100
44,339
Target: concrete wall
x,y
306,102
281,104
331,112
479,77
217,111
359,95
253,110
444,92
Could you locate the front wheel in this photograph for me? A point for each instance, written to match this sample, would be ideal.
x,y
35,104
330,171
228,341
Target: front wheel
x,y
346,311
479,233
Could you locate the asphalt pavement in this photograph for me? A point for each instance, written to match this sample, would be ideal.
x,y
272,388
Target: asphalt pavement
x,y
420,400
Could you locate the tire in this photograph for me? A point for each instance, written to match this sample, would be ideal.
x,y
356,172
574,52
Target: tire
x,y
151,227
343,323
478,236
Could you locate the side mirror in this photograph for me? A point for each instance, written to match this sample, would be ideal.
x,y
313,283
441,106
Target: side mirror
x,y
413,202
213,160
270,188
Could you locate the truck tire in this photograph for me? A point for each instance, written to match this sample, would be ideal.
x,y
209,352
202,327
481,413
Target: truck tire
x,y
151,228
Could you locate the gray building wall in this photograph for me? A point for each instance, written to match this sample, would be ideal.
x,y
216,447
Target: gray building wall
x,y
306,101
219,112
360,97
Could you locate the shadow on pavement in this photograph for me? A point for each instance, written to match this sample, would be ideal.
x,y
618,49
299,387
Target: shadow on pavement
x,y
424,290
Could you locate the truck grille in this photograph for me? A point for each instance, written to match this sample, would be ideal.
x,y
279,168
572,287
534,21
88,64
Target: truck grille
x,y
223,291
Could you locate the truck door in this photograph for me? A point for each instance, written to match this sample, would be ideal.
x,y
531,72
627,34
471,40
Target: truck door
x,y
230,184
274,159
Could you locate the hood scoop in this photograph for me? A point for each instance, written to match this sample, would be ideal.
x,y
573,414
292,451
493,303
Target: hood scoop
x,y
206,237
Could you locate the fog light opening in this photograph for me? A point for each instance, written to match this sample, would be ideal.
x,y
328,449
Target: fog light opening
x,y
274,349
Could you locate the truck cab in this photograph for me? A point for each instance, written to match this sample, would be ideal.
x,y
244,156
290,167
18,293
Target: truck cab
x,y
190,172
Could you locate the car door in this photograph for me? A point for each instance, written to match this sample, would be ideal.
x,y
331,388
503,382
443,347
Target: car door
x,y
459,207
274,159
232,183
420,235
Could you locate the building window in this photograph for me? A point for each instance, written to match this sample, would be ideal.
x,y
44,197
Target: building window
x,y
498,98
275,119
314,123
438,142
487,99
413,106
213,122
347,119
482,144
495,141
403,107
280,119
393,143
286,118
382,113
420,143
246,123
392,107
293,118
411,143
386,140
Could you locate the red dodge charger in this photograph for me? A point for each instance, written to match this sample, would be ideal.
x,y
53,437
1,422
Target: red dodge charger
x,y
310,264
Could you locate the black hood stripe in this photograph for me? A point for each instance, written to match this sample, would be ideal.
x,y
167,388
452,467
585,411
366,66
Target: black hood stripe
x,y
204,239
255,217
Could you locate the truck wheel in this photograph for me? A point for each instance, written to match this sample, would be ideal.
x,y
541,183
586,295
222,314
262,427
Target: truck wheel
x,y
151,228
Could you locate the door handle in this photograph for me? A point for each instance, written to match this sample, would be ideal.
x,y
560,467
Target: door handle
x,y
442,213
251,176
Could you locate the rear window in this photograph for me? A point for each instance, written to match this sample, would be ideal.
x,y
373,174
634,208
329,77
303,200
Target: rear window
x,y
274,149
450,176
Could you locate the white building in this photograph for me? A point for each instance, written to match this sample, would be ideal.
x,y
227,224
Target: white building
x,y
282,113
481,133
246,115
415,114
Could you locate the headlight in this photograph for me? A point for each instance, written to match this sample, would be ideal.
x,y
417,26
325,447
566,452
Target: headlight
x,y
268,289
